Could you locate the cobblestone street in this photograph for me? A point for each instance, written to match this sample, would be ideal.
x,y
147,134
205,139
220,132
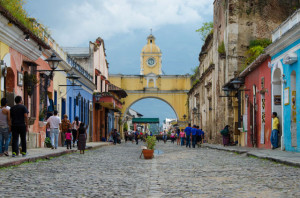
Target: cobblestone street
x,y
117,171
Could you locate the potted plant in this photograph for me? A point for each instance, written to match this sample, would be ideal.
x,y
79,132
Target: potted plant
x,y
150,143
48,142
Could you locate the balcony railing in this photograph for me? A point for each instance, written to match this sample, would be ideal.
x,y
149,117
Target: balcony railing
x,y
286,25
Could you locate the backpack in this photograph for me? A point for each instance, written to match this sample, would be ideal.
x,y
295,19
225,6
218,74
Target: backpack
x,y
224,131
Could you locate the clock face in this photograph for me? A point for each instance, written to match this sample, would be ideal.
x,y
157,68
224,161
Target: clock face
x,y
151,61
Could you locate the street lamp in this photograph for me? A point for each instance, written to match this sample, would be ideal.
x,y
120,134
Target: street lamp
x,y
53,61
226,91
236,83
194,110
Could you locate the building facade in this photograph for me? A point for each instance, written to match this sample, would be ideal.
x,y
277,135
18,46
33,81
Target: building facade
x,y
256,103
285,51
235,24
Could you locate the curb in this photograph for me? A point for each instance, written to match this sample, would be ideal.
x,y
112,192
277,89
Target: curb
x,y
251,154
48,156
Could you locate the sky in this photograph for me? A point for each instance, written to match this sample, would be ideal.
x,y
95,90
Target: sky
x,y
124,25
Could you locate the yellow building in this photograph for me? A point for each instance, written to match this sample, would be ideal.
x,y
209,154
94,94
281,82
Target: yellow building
x,y
171,89
5,60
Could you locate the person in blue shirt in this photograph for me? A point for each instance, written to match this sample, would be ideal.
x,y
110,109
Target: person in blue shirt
x,y
188,131
194,136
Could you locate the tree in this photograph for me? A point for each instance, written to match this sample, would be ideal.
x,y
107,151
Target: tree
x,y
205,30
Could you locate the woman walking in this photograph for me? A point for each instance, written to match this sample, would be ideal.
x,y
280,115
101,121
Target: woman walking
x,y
173,137
81,136
226,135
75,127
64,127
4,127
182,135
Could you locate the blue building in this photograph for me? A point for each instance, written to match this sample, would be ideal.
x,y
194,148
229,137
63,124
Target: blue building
x,y
285,65
80,95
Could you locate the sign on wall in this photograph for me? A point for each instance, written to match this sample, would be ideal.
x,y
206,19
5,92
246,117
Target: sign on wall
x,y
287,96
277,99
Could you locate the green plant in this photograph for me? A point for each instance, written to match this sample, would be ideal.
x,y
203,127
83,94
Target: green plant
x,y
41,115
151,142
256,48
48,142
16,9
125,128
221,48
205,30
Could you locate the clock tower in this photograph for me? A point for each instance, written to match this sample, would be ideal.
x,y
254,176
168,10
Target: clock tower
x,y
151,58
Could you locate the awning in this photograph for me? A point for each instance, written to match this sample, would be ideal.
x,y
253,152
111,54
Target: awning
x,y
107,100
145,120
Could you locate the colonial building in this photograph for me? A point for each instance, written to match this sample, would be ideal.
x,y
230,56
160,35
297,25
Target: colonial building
x,y
235,24
21,56
284,51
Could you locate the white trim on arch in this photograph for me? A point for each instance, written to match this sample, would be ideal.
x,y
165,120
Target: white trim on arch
x,y
278,65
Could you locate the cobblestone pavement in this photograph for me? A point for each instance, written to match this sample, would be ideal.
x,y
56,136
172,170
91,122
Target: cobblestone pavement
x,y
117,171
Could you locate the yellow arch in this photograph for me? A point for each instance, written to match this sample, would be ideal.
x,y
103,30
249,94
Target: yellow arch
x,y
171,89
159,98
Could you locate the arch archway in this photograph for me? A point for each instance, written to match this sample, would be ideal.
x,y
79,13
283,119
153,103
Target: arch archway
x,y
142,98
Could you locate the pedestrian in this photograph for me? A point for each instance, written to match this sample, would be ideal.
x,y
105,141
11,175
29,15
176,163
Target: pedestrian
x,y
54,122
188,131
136,137
75,127
199,136
226,135
115,136
275,131
126,136
5,126
194,136
81,137
64,127
19,126
182,135
165,136
151,134
177,135
173,137
68,136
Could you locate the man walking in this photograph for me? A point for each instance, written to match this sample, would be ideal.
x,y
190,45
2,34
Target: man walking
x,y
194,134
188,131
54,122
19,126
4,127
275,130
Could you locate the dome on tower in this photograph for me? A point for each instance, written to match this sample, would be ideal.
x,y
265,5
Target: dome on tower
x,y
151,47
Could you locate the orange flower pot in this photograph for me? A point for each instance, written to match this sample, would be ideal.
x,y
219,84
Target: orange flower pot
x,y
148,153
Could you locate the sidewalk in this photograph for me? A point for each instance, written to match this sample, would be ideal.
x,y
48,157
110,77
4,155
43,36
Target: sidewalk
x,y
284,157
45,153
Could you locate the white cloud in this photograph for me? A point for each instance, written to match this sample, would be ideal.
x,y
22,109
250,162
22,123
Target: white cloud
x,y
89,19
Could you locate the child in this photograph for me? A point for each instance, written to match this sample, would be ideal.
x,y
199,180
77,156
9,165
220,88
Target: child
x,y
69,138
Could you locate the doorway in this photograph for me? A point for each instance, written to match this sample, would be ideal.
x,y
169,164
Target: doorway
x,y
277,100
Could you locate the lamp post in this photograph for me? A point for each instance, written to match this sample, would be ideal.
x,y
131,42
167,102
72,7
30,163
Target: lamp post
x,y
53,62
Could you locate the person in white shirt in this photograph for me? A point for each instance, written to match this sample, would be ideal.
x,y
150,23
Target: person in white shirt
x,y
54,122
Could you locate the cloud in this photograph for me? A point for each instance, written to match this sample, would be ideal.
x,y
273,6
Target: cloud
x,y
89,18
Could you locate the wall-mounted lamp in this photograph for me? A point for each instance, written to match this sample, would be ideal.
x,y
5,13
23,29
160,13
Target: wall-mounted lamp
x,y
27,37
